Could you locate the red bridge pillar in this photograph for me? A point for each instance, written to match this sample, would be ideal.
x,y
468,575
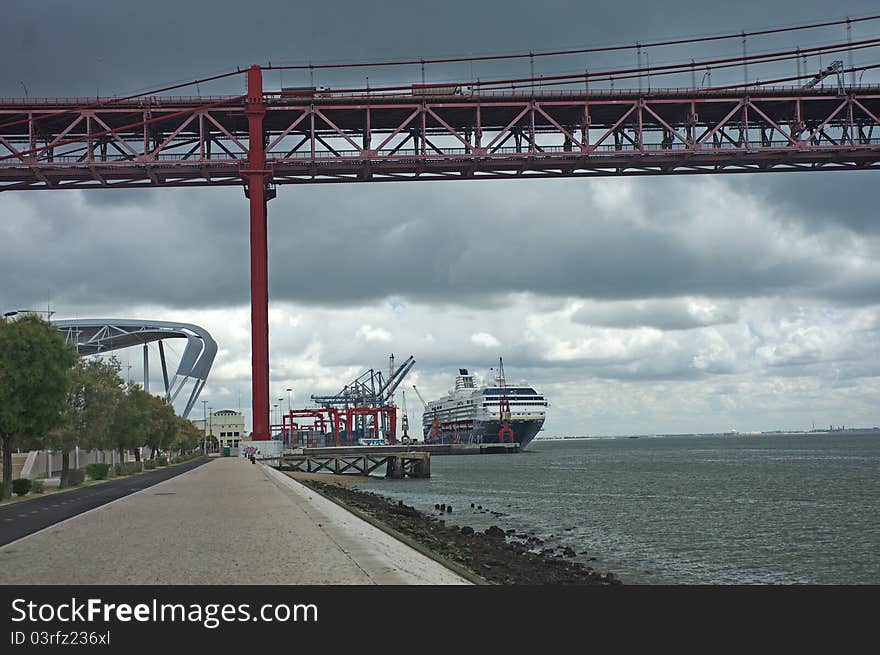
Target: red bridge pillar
x,y
256,177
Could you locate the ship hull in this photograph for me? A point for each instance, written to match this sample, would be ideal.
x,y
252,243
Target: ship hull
x,y
485,432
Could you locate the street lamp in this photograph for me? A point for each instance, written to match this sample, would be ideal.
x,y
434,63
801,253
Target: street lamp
x,y
205,426
707,74
281,412
210,416
289,409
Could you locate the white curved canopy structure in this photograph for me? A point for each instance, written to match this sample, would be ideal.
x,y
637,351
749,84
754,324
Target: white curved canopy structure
x,y
93,336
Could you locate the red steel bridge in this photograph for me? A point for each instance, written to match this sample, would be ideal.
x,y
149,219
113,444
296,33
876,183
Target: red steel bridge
x,y
426,132
63,143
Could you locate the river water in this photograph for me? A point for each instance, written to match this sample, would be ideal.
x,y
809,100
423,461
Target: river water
x,y
679,510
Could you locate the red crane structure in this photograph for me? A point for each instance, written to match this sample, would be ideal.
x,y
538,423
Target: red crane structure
x,y
434,435
322,418
506,432
498,129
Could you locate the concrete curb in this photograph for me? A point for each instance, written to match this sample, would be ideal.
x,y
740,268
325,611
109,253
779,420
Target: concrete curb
x,y
459,570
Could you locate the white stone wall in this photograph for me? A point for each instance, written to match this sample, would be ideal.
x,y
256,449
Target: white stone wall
x,y
36,464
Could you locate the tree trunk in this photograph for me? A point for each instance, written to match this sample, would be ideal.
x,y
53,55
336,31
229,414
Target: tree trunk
x,y
7,465
137,454
65,469
122,456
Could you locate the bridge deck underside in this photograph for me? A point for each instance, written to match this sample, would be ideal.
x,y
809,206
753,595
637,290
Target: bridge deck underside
x,y
204,141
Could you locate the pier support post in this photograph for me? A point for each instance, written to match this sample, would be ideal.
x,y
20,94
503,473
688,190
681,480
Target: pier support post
x,y
395,467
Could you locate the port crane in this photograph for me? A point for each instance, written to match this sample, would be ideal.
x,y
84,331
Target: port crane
x,y
371,388
434,435
506,432
366,404
404,421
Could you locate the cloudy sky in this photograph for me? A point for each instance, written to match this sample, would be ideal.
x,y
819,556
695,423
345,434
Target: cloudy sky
x,y
637,305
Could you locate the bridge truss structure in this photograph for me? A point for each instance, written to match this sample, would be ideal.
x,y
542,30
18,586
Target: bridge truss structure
x,y
178,141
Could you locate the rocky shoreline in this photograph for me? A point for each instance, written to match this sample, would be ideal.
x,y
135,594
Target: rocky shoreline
x,y
493,556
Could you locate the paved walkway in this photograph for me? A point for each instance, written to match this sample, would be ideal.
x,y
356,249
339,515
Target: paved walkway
x,y
25,517
226,522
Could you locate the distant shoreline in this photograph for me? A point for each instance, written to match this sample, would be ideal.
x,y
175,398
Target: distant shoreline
x,y
770,433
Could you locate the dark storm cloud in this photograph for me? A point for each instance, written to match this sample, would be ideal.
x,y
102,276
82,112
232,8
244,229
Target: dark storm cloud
x,y
554,239
110,254
671,314
92,46
432,242
122,198
820,202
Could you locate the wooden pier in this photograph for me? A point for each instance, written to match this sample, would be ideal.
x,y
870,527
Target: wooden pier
x,y
409,461
397,464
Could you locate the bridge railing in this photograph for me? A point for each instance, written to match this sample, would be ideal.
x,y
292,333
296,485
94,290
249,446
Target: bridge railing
x,y
411,153
575,92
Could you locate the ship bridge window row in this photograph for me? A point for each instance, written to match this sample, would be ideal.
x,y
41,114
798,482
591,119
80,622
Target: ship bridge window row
x,y
457,410
497,391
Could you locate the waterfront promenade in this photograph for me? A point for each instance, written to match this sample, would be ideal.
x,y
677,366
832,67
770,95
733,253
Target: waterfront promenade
x,y
226,522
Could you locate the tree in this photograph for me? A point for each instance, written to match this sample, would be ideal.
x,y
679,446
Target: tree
x,y
107,391
132,420
188,436
95,391
35,373
163,426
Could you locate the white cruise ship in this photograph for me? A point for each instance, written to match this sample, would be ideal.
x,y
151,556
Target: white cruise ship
x,y
472,414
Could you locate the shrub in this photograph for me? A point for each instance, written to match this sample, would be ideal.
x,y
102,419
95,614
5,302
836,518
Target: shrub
x,y
2,489
97,471
163,461
149,464
37,486
21,486
75,477
128,468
